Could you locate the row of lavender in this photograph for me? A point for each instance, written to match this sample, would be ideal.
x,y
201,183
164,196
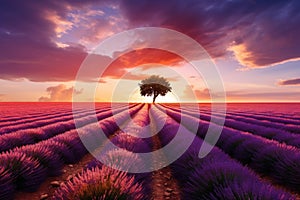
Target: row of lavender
x,y
284,134
37,122
216,176
280,110
26,135
25,168
19,111
8,126
291,124
279,162
100,181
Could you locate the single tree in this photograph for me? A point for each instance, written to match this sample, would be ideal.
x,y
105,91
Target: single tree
x,y
154,85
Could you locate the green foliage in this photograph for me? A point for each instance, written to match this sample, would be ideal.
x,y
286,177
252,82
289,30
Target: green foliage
x,y
154,85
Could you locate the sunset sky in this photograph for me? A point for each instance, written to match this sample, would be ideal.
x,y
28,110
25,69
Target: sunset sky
x,y
255,46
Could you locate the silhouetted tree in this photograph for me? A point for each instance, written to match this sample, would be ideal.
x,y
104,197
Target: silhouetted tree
x,y
154,85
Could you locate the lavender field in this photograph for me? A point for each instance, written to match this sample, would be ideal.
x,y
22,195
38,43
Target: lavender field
x,y
42,156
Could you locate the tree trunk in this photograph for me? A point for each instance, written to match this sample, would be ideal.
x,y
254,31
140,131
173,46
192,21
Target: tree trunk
x,y
154,97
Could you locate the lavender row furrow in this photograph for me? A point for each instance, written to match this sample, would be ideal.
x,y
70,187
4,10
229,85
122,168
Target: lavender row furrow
x,y
31,136
28,166
56,114
254,151
271,119
266,132
288,127
283,110
293,127
276,125
27,113
258,115
216,176
283,115
37,124
47,121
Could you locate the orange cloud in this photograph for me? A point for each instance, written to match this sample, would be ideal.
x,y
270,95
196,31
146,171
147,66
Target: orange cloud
x,y
190,93
59,93
250,59
61,25
243,56
118,67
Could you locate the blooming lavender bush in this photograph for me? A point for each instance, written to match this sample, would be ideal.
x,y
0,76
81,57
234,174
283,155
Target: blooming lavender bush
x,y
7,187
49,159
101,184
26,173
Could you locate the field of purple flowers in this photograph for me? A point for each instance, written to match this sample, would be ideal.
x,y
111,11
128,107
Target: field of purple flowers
x,y
256,157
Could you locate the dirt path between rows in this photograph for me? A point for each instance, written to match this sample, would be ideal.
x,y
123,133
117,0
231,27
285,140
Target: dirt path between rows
x,y
46,190
164,185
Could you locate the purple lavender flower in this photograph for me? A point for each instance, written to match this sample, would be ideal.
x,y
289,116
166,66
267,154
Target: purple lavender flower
x,y
100,184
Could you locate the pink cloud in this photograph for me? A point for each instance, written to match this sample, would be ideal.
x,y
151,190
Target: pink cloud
x,y
262,96
190,93
59,93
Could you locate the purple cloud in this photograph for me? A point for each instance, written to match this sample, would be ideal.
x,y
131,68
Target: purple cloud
x,y
260,33
28,33
295,81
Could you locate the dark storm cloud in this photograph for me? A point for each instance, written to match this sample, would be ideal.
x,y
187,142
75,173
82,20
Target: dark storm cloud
x,y
295,81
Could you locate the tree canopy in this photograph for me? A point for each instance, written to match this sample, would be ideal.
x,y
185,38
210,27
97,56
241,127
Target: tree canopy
x,y
154,85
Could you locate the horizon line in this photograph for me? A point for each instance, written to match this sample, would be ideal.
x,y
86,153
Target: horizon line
x,y
150,102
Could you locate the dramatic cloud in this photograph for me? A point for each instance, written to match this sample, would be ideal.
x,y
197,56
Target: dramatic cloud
x,y
59,93
143,58
48,40
260,33
29,38
295,81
